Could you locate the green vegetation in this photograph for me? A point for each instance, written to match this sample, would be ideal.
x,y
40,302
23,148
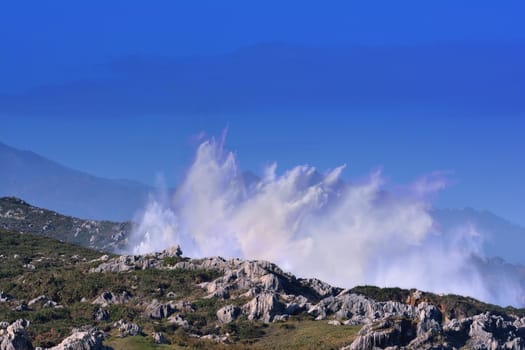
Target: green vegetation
x,y
31,266
296,333
383,294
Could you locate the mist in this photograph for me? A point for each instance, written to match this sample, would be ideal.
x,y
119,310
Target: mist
x,y
314,224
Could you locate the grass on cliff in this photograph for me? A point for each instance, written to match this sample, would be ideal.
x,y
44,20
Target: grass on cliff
x,y
61,273
293,334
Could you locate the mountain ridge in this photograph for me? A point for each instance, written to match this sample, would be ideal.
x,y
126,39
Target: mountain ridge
x,y
49,184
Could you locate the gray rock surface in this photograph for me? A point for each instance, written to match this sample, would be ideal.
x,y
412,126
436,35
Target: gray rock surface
x,y
101,314
359,309
90,339
179,321
385,333
157,310
15,337
43,301
159,338
109,298
264,307
127,328
228,313
4,297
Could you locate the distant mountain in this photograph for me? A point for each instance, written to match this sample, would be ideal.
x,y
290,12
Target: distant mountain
x,y
283,76
501,238
48,184
19,216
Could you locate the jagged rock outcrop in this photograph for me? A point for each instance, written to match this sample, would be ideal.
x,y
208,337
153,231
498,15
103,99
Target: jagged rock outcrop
x,y
264,306
275,295
4,297
159,338
179,321
385,333
101,314
127,328
83,339
44,301
125,263
489,331
15,337
157,310
228,313
108,298
359,309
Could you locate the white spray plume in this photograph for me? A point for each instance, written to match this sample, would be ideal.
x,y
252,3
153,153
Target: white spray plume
x,y
316,225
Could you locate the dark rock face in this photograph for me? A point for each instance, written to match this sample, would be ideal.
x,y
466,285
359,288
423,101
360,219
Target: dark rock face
x,y
15,337
108,298
101,314
159,338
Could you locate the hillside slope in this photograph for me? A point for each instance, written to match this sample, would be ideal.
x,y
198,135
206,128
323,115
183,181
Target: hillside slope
x,y
166,301
19,216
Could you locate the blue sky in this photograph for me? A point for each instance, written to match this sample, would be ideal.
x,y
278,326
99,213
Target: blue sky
x,y
122,89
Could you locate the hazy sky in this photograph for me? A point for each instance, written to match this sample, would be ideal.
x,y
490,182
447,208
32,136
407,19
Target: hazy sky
x,y
126,89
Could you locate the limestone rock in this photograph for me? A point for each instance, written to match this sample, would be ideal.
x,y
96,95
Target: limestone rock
x,y
429,319
127,328
179,321
4,297
90,339
159,338
15,337
157,311
263,307
101,314
228,313
389,332
108,298
42,300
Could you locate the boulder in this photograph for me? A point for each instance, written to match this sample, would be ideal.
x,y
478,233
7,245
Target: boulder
x,y
159,338
43,301
108,298
101,314
127,328
228,313
179,321
157,310
90,339
15,337
4,297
